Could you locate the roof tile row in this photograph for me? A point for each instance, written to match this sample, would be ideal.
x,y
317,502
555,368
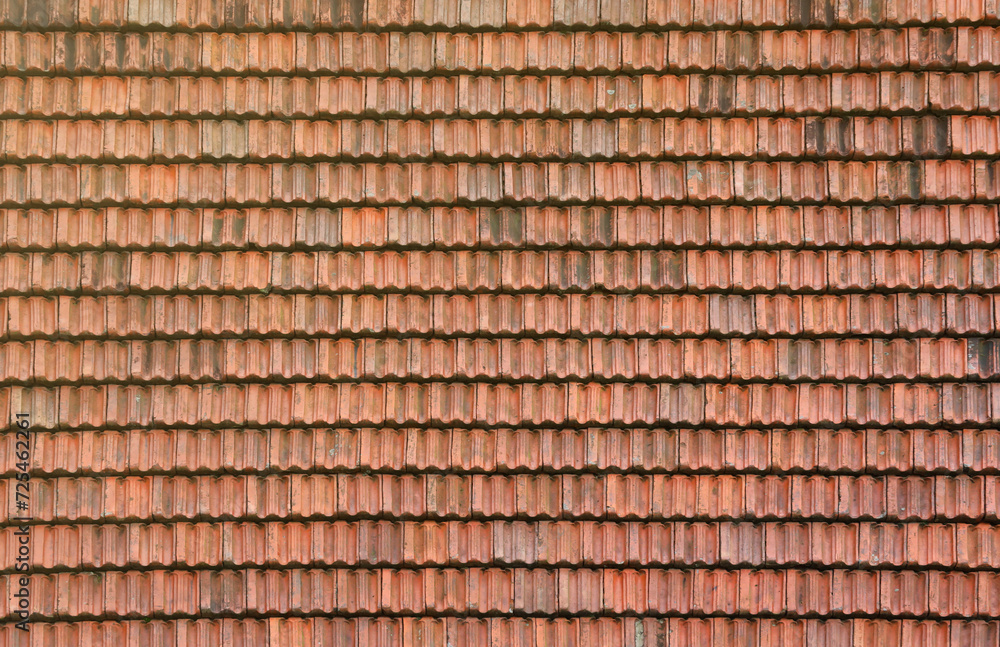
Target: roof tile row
x,y
768,227
549,544
47,361
492,97
531,315
516,631
524,496
325,183
783,451
955,48
481,14
478,591
520,139
416,272
758,405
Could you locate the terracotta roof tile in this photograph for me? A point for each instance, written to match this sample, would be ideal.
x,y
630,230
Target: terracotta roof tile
x,y
398,323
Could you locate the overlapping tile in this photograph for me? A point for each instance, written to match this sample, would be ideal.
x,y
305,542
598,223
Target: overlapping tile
x,y
397,322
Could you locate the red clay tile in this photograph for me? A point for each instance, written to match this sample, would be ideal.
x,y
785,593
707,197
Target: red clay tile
x,y
780,137
834,50
837,353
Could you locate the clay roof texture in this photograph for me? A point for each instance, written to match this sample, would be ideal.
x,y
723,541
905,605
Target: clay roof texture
x,y
501,323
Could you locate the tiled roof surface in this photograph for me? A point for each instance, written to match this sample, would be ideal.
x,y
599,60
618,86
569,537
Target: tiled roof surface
x,y
502,323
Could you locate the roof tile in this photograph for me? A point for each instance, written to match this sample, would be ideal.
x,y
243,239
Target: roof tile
x,y
491,268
